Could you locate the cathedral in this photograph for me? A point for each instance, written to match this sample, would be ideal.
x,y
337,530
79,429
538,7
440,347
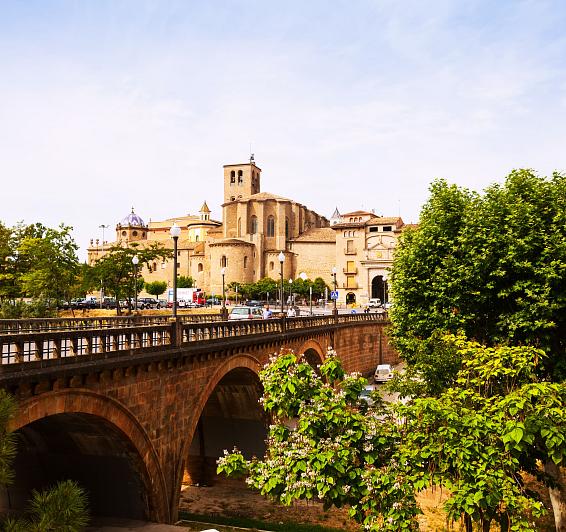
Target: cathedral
x,y
257,231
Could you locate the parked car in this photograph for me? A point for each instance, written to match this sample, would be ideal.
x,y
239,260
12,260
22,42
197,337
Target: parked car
x,y
162,303
374,302
243,312
213,301
383,373
254,303
147,302
109,303
84,303
366,394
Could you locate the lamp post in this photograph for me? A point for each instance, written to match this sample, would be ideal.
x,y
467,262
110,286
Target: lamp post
x,y
103,227
281,258
290,300
335,310
175,231
223,273
135,262
236,294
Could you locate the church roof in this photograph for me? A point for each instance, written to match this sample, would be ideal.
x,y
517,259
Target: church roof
x,y
132,220
357,213
230,242
335,214
317,234
268,196
204,208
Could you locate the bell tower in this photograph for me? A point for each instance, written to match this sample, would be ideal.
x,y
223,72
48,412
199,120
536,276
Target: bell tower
x,y
241,180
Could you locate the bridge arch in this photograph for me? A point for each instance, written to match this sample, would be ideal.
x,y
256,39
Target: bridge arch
x,y
231,396
75,429
313,351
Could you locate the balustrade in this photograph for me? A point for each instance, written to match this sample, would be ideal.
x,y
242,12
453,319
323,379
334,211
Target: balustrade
x,y
146,333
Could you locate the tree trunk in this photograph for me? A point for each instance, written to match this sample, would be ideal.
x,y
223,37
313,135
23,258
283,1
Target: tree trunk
x,y
557,495
468,523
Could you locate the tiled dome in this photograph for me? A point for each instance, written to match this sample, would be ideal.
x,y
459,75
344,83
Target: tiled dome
x,y
132,220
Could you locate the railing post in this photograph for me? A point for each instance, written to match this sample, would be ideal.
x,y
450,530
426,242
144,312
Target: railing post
x,y
176,331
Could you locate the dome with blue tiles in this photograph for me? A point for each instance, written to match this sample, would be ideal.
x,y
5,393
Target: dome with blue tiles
x,y
132,220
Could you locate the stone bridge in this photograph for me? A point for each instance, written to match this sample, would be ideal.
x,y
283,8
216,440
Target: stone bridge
x,y
131,407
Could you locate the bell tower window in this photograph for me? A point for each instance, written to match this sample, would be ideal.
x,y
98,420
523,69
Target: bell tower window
x,y
253,225
240,177
232,177
270,226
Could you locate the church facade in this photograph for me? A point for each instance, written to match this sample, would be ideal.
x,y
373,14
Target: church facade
x,y
256,228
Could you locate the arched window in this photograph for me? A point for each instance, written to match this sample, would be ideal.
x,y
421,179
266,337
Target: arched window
x,y
239,227
200,267
286,227
196,238
240,177
253,225
270,226
223,261
271,266
245,262
232,176
134,233
124,233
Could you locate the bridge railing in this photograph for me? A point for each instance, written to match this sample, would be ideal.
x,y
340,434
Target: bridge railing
x,y
22,347
108,322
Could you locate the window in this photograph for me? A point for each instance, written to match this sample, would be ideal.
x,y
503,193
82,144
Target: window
x,y
124,233
223,261
373,229
286,227
232,176
270,226
271,265
351,266
245,262
200,267
232,198
239,227
154,266
240,177
196,238
163,265
387,228
134,233
350,281
253,225
143,234
349,246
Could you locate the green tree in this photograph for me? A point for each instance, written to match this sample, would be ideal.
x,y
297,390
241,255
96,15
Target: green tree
x,y
185,282
156,288
51,261
319,287
261,288
116,270
477,437
489,265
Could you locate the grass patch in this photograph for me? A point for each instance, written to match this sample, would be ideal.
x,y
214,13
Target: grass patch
x,y
246,522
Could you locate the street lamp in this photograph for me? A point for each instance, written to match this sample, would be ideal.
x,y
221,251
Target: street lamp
x,y
223,273
281,258
135,262
335,311
101,251
290,292
175,231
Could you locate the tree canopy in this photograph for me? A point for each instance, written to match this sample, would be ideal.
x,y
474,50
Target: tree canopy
x,y
491,265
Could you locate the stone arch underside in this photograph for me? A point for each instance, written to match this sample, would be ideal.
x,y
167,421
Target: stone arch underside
x,y
314,352
93,439
228,414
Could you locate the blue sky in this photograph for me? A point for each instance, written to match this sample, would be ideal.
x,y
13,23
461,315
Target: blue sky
x,y
355,104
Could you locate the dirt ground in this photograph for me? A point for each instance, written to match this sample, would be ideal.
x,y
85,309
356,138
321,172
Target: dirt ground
x,y
232,498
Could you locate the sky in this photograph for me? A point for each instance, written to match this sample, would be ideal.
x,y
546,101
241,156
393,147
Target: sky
x,y
355,104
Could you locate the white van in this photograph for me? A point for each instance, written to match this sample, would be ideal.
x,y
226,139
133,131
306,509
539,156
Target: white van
x,y
374,302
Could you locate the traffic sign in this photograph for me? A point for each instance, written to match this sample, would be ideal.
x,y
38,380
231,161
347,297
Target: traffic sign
x,y
334,294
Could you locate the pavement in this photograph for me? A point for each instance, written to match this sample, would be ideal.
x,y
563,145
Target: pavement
x,y
122,525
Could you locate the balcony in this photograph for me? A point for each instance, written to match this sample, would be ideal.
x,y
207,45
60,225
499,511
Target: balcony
x,y
350,286
350,252
351,271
